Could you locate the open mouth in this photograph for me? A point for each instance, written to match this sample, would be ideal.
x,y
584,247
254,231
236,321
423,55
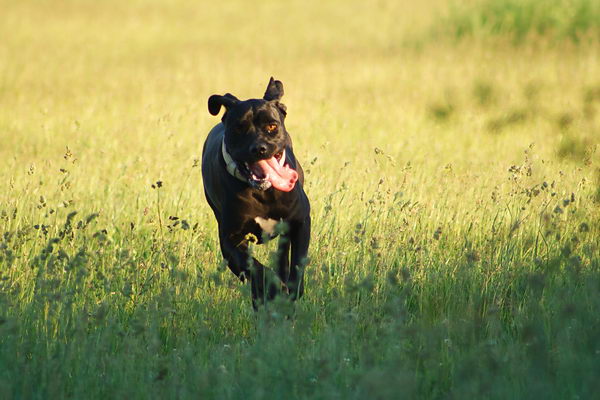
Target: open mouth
x,y
271,172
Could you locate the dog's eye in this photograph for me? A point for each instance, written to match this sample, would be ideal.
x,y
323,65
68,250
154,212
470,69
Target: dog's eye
x,y
272,127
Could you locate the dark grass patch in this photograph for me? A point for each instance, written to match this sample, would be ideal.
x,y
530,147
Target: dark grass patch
x,y
572,20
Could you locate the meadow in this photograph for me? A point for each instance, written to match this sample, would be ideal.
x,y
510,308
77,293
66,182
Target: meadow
x,y
451,152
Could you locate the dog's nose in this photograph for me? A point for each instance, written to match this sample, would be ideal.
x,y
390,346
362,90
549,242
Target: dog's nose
x,y
259,149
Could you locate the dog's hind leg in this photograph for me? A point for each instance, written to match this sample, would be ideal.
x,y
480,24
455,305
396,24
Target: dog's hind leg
x,y
300,240
259,278
283,258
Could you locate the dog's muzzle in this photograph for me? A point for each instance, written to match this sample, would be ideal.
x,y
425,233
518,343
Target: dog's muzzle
x,y
263,174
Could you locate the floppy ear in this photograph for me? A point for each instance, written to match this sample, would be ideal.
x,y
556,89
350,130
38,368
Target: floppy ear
x,y
216,101
274,90
282,108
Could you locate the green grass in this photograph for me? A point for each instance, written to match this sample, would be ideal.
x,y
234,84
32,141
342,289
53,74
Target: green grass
x,y
455,191
557,19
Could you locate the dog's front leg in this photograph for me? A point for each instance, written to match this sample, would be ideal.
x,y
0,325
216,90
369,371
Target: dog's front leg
x,y
300,240
244,266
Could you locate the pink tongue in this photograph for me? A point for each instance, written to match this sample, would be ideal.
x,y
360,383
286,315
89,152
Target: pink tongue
x,y
281,177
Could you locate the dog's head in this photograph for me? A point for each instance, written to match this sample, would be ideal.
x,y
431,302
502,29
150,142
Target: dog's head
x,y
256,138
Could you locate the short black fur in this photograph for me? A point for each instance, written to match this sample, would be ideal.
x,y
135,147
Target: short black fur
x,y
237,204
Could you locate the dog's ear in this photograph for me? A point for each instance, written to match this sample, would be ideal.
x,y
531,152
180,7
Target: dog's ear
x,y
274,90
282,108
216,101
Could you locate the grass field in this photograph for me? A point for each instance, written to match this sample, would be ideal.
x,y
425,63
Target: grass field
x,y
452,161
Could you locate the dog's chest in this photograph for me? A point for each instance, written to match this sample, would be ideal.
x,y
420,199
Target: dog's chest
x,y
267,226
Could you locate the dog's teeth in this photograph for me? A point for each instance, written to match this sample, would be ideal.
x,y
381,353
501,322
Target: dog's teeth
x,y
282,158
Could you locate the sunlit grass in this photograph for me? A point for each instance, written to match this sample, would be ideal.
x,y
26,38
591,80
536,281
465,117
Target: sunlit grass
x,y
455,191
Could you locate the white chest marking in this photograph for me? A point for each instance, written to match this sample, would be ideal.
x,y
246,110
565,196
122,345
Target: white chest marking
x,y
266,224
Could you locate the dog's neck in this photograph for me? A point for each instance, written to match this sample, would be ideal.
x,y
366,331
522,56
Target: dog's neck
x,y
230,164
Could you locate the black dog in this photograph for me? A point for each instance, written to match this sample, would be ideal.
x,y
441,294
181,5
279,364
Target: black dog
x,y
253,183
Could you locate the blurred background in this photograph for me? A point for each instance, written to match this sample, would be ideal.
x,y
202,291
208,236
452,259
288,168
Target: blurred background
x,y
124,85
